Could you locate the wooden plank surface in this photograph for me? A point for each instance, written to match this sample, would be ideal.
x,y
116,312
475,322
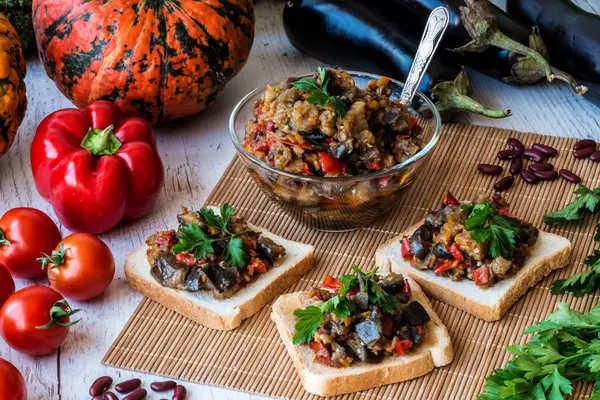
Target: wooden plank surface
x,y
195,152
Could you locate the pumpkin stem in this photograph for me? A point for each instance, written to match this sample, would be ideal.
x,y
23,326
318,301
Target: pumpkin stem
x,y
101,142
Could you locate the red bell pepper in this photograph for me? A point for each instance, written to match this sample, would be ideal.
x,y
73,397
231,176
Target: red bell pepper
x,y
96,167
405,249
259,266
331,283
322,354
481,275
456,253
331,165
444,266
401,346
450,201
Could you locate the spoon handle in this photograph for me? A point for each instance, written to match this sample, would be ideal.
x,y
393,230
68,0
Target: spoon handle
x,y
432,36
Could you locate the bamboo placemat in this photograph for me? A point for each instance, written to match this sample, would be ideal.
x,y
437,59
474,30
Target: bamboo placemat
x,y
252,357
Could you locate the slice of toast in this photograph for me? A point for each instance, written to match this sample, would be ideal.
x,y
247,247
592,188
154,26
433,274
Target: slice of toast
x,y
223,314
434,351
550,252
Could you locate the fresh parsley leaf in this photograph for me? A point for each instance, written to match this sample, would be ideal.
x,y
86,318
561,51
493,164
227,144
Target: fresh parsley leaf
x,y
557,384
348,283
194,240
587,200
388,302
318,92
501,240
487,226
340,306
582,283
235,253
308,320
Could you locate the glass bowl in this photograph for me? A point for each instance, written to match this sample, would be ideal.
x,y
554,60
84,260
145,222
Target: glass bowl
x,y
336,203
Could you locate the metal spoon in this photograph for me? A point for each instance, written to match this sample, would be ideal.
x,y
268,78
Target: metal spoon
x,y
432,36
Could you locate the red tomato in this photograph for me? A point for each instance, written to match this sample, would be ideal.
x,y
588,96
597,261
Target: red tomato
x,y
35,320
7,285
81,268
12,384
26,233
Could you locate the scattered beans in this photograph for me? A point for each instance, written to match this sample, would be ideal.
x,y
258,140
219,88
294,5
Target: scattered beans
x,y
100,385
546,175
490,169
508,154
534,155
163,386
516,165
584,153
137,395
97,398
180,393
541,167
515,144
529,177
128,386
569,176
544,149
504,184
582,144
595,156
110,396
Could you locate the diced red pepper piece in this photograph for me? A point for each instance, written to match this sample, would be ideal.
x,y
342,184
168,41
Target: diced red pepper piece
x,y
168,239
269,126
406,288
481,275
456,253
307,170
450,201
383,182
401,346
274,139
420,330
321,353
444,266
330,164
186,258
503,211
260,267
377,165
412,122
352,292
331,283
405,249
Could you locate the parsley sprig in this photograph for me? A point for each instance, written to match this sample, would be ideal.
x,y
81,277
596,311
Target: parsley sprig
x,y
564,348
586,200
193,239
487,226
317,91
309,319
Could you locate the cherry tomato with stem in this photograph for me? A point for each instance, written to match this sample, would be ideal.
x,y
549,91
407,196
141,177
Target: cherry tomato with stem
x,y
7,285
81,267
26,233
35,320
12,384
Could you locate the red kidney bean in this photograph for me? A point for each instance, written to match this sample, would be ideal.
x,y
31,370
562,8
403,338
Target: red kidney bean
x,y
534,155
100,385
179,393
490,169
504,184
110,396
128,386
515,144
584,153
544,149
529,177
582,144
546,175
541,167
97,398
516,165
595,156
137,395
508,154
163,386
569,176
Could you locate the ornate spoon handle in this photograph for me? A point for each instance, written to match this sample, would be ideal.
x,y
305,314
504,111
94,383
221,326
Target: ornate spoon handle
x,y
432,36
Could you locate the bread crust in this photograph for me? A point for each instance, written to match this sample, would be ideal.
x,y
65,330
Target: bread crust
x,y
184,305
519,284
435,351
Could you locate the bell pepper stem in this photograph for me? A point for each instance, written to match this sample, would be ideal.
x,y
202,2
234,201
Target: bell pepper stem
x,y
101,141
499,39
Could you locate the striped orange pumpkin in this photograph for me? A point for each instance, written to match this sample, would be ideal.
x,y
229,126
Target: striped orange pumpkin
x,y
158,59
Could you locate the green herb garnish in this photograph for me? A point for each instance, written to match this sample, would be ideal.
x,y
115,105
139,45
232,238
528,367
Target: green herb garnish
x,y
487,226
587,200
309,319
564,348
318,92
193,239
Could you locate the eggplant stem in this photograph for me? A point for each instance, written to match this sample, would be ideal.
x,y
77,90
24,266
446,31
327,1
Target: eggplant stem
x,y
563,76
465,103
502,41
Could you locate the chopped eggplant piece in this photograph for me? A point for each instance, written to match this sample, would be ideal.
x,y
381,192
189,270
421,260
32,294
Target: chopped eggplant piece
x,y
314,136
369,331
420,242
221,276
403,298
439,250
392,283
341,150
339,329
168,272
357,347
415,315
436,219
270,250
416,336
193,280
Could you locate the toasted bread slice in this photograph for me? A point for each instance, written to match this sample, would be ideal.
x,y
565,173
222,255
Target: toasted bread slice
x,y
434,351
223,314
550,252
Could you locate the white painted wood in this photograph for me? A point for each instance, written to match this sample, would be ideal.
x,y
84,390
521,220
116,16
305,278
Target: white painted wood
x,y
195,153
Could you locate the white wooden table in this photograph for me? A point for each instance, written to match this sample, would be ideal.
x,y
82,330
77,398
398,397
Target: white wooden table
x,y
195,153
